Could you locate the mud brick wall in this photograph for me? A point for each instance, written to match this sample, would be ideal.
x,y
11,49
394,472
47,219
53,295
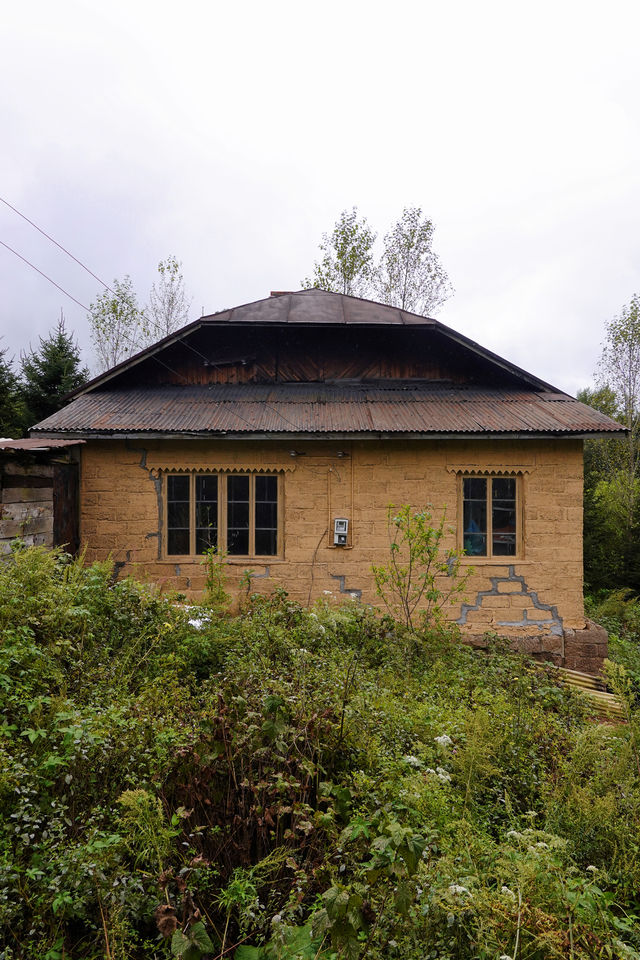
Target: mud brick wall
x,y
537,594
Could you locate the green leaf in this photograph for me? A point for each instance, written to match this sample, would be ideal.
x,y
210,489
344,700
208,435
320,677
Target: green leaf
x,y
199,937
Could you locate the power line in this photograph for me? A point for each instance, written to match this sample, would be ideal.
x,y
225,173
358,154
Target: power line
x,y
107,287
59,245
33,267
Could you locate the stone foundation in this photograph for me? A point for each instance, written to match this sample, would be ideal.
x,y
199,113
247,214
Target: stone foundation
x,y
583,650
586,649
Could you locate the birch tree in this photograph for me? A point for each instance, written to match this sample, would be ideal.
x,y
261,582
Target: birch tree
x,y
118,325
168,307
410,275
347,265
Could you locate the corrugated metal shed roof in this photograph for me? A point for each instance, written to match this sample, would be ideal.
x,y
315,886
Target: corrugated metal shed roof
x,y
35,444
362,408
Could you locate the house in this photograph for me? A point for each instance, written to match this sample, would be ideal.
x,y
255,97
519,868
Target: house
x,y
280,431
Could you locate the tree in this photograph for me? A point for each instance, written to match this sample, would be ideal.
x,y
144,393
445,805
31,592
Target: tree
x,y
119,327
50,373
612,482
410,275
168,308
347,264
11,404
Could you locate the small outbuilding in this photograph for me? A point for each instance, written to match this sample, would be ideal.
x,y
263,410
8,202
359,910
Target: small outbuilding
x,y
39,493
281,430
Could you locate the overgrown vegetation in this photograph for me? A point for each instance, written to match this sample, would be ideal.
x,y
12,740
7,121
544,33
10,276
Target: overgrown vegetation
x,y
176,781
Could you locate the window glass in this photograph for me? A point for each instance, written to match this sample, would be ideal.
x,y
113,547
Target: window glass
x,y
266,518
503,523
490,516
475,516
238,515
178,516
206,513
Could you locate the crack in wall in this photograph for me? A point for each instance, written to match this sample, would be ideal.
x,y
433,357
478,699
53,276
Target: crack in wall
x,y
157,483
554,625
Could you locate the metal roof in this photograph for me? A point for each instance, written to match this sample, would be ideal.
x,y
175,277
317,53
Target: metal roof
x,y
318,307
393,407
35,444
310,308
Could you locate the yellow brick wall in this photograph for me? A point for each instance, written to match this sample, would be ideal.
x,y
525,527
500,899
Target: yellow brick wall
x,y
121,483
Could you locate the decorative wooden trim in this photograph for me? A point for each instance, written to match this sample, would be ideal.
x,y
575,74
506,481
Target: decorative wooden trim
x,y
471,470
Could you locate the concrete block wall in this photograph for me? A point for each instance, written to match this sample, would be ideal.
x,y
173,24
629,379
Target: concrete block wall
x,y
537,594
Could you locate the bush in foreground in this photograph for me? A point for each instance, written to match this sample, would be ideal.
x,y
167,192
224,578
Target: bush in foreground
x,y
294,783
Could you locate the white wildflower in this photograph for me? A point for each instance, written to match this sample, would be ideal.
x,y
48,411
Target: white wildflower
x,y
505,956
412,761
592,869
198,622
514,835
507,892
542,846
456,889
328,593
393,943
443,775
444,740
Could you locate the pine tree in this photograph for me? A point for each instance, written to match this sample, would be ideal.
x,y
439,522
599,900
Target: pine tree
x,y
11,404
50,373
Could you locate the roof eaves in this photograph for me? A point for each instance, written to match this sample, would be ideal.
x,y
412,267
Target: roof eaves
x,y
495,358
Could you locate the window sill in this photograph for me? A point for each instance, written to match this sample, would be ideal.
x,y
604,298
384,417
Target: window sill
x,y
228,561
492,561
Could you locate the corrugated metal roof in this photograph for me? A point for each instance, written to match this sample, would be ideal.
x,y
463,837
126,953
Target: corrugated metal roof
x,y
326,408
34,444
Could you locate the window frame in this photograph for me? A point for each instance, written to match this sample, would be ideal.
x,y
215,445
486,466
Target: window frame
x,y
490,556
222,514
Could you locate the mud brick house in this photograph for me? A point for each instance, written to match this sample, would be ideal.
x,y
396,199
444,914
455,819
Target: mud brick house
x,y
281,430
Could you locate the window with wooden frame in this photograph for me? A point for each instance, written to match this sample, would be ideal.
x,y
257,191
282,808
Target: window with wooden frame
x,y
235,512
491,524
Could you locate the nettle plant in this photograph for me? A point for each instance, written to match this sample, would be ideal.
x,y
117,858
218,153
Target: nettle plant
x,y
422,577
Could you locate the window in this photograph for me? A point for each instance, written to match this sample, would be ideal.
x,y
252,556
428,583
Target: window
x,y
235,512
490,526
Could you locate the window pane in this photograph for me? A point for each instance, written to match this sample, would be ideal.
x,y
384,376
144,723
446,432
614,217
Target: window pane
x,y
206,537
266,543
475,488
504,488
503,516
238,541
267,489
177,488
474,516
178,515
238,515
207,489
475,544
238,488
177,542
266,515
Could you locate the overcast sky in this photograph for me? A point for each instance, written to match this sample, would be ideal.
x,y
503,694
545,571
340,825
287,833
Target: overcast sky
x,y
232,135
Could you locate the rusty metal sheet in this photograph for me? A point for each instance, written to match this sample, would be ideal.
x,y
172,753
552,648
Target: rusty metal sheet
x,y
40,443
325,408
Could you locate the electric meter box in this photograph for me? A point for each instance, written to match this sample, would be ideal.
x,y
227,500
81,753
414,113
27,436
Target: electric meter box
x,y
340,532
